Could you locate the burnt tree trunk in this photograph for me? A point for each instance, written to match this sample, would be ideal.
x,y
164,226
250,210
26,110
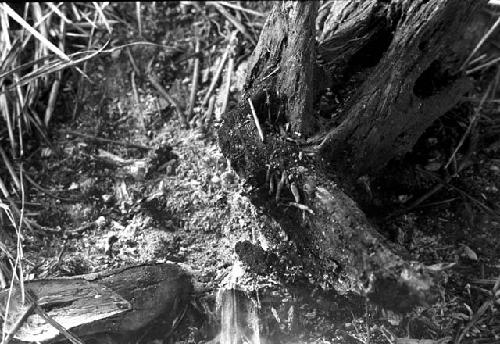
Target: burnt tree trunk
x,y
416,80
395,66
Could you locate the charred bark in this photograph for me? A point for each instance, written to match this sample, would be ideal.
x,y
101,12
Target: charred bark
x,y
322,220
294,178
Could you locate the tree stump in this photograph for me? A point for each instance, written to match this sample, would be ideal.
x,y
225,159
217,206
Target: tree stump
x,y
395,67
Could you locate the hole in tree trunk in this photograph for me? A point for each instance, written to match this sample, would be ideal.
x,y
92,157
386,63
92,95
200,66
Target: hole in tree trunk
x,y
372,52
432,80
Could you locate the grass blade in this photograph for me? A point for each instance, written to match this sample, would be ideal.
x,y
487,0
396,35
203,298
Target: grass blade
x,y
34,32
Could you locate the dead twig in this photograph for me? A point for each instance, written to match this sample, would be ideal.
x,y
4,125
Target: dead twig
x,y
194,120
225,96
45,191
3,278
232,20
80,229
481,42
437,203
229,74
57,82
471,125
114,159
256,120
444,340
16,212
301,207
52,98
194,82
464,194
47,44
156,84
79,92
483,66
139,17
10,168
235,6
484,281
244,14
38,310
176,322
484,307
132,61
57,262
134,87
387,334
103,140
217,75
464,163
210,111
4,108
17,325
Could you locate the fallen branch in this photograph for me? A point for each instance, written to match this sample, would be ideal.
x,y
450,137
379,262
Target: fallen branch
x,y
156,84
119,302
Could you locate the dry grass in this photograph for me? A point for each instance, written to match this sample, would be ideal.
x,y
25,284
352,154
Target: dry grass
x,y
36,46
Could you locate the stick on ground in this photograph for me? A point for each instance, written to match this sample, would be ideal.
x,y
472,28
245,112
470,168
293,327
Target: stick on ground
x,y
194,82
100,139
216,77
161,90
256,119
